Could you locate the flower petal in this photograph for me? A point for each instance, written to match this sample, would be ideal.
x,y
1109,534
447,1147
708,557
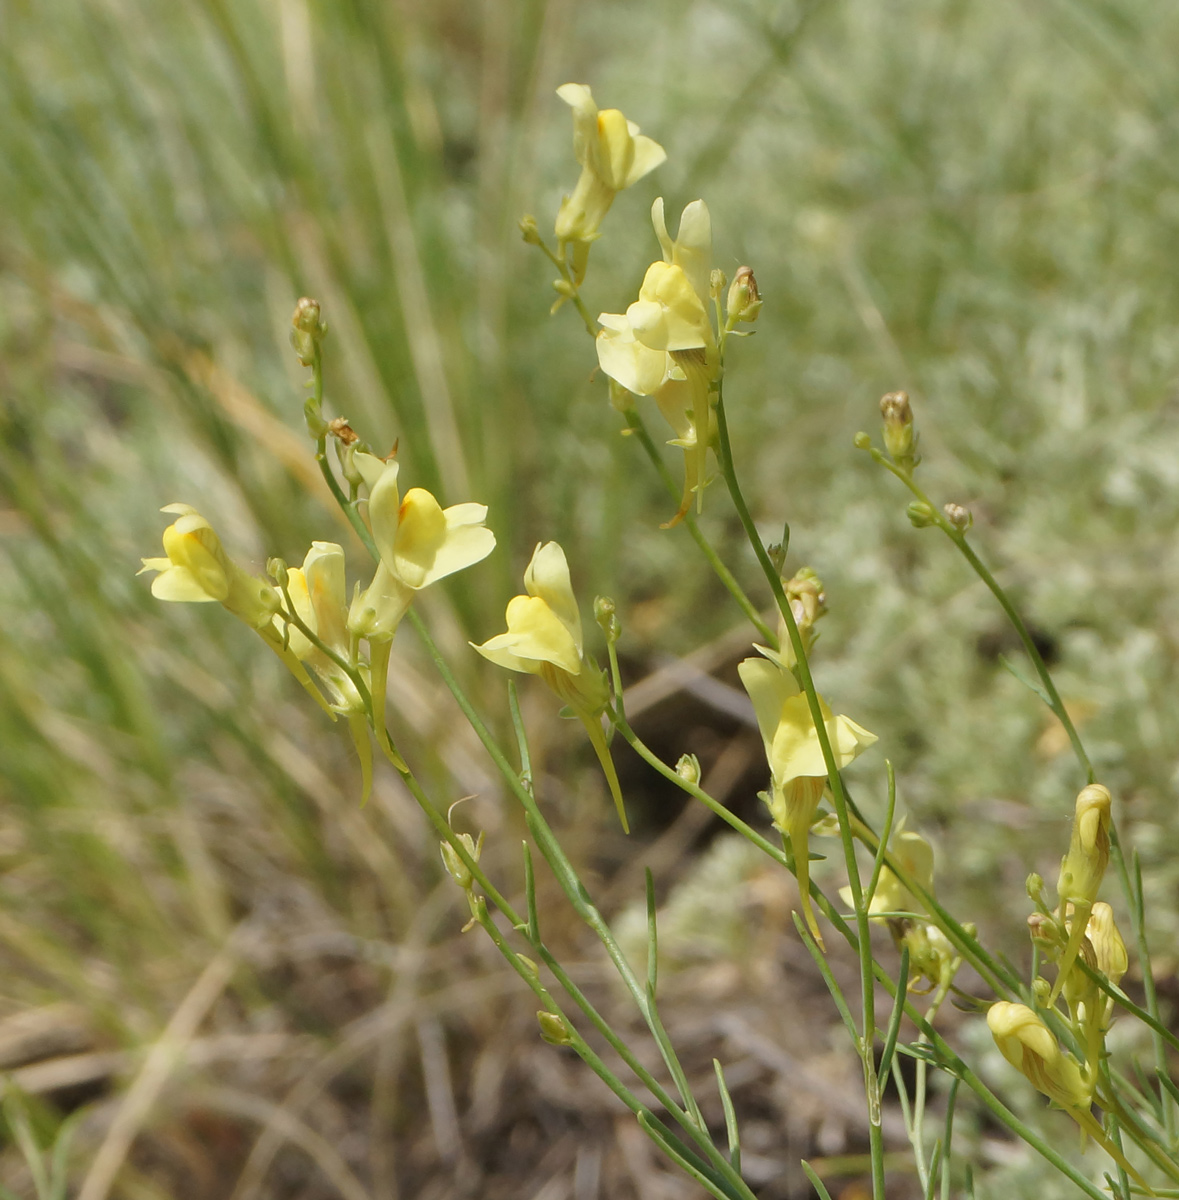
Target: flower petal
x,y
535,635
179,583
384,503
547,577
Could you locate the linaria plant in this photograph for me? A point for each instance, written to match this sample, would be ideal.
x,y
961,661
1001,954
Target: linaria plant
x,y
673,344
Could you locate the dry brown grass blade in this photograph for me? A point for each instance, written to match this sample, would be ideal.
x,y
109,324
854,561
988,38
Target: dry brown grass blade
x,y
291,1129
153,1075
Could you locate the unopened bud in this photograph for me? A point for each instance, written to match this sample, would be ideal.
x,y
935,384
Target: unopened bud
x,y
528,965
744,300
307,329
958,516
716,283
276,568
554,1029
900,439
1082,868
529,229
1108,947
564,289
921,514
1041,990
1035,887
688,768
455,867
862,441
606,616
1044,931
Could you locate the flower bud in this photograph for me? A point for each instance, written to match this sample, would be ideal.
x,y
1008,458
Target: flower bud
x,y
554,1029
1028,1045
1035,887
920,514
276,568
958,516
529,229
455,867
1044,932
529,965
744,300
1082,868
900,440
1109,949
307,330
607,617
688,768
716,282
862,441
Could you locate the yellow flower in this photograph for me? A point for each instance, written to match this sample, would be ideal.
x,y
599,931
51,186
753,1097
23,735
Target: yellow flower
x,y
613,155
1082,869
1029,1046
197,570
664,344
544,638
418,541
797,768
1108,947
318,594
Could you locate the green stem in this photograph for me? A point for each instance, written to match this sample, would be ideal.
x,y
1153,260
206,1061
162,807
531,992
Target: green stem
x,y
578,1044
546,841
575,292
773,578
637,426
576,995
1055,703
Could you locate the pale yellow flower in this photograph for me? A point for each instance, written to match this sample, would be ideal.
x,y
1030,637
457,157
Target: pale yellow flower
x,y
418,541
197,570
613,156
318,594
1030,1047
797,768
664,344
1082,869
544,638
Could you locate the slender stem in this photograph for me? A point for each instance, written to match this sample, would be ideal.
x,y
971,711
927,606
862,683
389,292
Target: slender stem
x,y
574,294
522,926
638,427
546,841
577,1043
773,578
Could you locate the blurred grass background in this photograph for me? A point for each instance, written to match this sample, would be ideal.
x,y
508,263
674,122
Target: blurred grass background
x,y
978,203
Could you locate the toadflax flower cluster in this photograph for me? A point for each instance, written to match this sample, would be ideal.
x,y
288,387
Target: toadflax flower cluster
x,y
665,346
